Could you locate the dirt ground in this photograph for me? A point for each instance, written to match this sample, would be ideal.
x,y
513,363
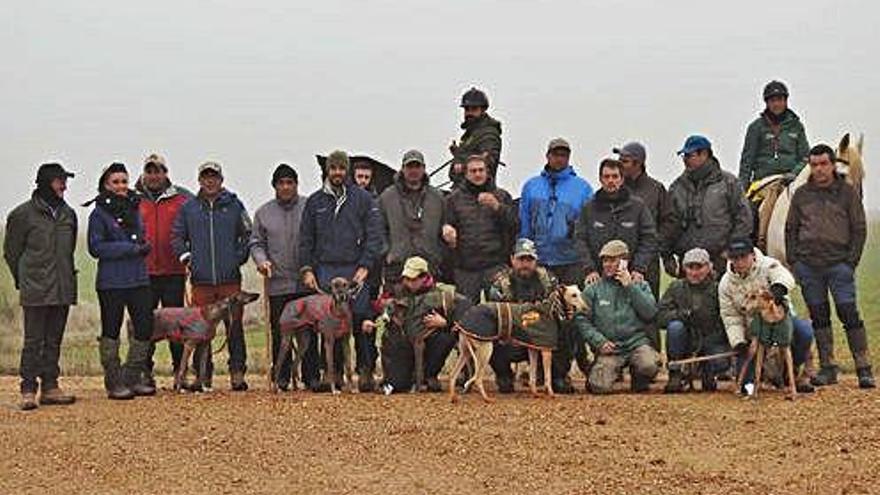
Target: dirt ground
x,y
305,443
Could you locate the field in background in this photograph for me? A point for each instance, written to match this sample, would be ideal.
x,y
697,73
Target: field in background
x,y
80,354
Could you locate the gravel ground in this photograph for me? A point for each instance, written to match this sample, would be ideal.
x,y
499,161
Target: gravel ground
x,y
299,442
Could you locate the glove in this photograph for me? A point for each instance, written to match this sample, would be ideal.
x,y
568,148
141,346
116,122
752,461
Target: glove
x,y
670,264
788,178
779,292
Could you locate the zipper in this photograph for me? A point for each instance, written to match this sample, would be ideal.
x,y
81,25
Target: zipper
x,y
211,241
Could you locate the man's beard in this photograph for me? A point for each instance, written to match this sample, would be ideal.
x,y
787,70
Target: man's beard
x,y
524,273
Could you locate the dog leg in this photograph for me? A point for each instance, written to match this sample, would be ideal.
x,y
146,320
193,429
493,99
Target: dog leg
x,y
759,366
533,372
459,366
180,373
547,357
750,354
481,363
349,357
203,365
789,368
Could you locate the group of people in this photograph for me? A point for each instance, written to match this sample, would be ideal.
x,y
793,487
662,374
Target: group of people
x,y
436,253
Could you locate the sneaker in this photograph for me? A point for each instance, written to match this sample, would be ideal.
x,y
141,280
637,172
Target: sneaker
x,y
28,401
56,397
827,375
504,384
563,387
366,382
675,384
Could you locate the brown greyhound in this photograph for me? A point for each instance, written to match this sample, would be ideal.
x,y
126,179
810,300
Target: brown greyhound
x,y
195,329
329,316
768,317
538,333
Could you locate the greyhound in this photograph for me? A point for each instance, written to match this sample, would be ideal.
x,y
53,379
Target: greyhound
x,y
771,328
195,328
328,315
477,344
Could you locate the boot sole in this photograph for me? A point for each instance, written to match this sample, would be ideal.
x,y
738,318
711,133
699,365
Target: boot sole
x,y
57,402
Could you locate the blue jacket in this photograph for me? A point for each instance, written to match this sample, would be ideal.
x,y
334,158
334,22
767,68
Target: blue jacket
x,y
214,236
348,235
549,207
120,265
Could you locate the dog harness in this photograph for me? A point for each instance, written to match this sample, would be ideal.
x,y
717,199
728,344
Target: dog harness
x,y
182,324
317,312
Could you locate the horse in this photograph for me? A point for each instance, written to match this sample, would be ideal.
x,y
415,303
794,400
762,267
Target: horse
x,y
773,212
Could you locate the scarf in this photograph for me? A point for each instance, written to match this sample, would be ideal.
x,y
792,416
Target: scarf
x,y
340,196
123,209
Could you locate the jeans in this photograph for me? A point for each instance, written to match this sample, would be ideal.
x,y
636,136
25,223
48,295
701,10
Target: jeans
x,y
41,349
115,302
679,345
839,280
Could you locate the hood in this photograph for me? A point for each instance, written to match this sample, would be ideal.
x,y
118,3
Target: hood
x,y
787,115
561,175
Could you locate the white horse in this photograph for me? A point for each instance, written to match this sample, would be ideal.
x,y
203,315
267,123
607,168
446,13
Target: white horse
x,y
849,164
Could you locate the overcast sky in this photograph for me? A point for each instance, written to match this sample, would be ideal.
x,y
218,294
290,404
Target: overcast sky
x,y
251,84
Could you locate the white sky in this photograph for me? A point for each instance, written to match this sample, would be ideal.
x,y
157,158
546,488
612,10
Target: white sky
x,y
250,84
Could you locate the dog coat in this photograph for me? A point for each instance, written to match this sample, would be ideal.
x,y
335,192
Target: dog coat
x,y
772,334
525,324
316,311
182,324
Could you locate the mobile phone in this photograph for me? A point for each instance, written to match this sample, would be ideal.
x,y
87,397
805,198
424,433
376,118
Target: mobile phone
x,y
623,265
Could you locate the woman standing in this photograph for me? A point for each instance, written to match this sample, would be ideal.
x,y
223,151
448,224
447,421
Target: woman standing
x,y
116,239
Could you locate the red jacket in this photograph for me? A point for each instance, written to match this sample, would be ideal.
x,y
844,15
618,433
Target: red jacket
x,y
158,214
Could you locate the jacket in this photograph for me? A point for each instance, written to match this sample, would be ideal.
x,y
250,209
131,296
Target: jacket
x,y
347,232
213,237
772,148
695,305
549,207
825,225
708,211
158,213
481,135
733,289
624,217
485,236
121,264
38,248
275,238
617,314
653,193
411,222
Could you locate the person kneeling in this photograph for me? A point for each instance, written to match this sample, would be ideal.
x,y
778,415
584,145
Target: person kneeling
x,y
621,310
689,312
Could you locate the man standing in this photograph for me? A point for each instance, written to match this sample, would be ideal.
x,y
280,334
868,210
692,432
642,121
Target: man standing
x,y
776,142
412,213
38,248
653,193
708,208
621,310
340,236
211,235
160,203
751,271
273,245
524,281
479,227
824,241
689,313
482,136
549,208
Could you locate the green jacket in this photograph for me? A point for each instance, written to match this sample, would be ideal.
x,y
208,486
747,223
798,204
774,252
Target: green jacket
x,y
773,149
481,135
38,248
696,306
441,298
617,314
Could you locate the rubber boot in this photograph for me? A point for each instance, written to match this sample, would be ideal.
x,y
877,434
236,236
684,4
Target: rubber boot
x,y
857,339
136,364
827,374
109,352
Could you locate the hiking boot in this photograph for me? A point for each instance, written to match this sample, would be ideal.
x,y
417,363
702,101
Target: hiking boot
x,y
675,384
804,387
109,352
319,387
28,401
135,370
366,382
866,378
504,384
433,385
56,397
237,381
827,375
